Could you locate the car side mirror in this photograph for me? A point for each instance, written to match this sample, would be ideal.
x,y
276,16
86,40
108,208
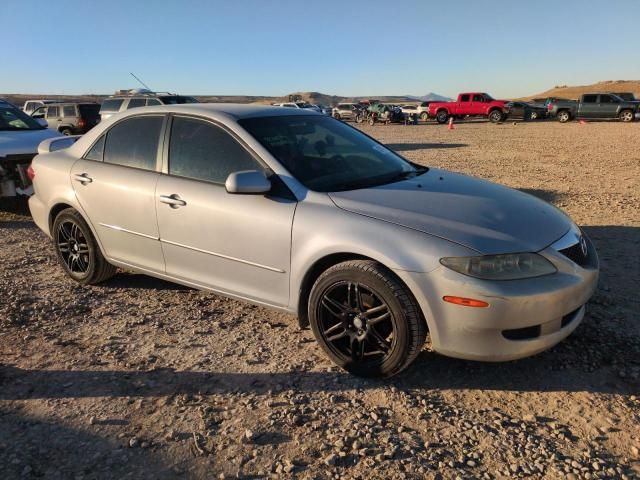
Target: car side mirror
x,y
248,181
42,122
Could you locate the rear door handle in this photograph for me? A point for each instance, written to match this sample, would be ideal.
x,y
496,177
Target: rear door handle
x,y
83,178
173,200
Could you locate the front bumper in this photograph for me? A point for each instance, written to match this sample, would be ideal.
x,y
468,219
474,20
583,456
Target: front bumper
x,y
524,317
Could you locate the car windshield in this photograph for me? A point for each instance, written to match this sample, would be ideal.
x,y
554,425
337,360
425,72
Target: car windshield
x,y
177,99
13,119
327,155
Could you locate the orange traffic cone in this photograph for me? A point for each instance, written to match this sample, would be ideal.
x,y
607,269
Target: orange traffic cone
x,y
451,127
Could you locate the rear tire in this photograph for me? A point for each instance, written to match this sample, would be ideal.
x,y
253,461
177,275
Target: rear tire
x,y
77,250
442,117
345,308
626,116
424,116
564,116
336,116
66,131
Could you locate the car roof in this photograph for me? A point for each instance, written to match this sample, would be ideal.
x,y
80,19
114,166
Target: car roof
x,y
234,110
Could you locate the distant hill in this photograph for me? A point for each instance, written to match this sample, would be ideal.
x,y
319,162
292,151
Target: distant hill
x,y
574,92
431,97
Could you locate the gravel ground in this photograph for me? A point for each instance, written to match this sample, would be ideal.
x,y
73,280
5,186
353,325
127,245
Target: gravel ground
x,y
139,378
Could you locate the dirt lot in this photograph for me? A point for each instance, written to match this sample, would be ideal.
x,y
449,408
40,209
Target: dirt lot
x,y
138,378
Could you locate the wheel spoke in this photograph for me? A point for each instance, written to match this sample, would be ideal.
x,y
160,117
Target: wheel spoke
x,y
330,330
337,336
83,248
378,309
380,318
382,343
357,349
335,308
66,235
359,302
63,247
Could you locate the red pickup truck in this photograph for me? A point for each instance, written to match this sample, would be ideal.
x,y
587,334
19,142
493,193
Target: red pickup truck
x,y
469,104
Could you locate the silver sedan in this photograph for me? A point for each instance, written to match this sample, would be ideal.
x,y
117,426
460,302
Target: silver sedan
x,y
300,212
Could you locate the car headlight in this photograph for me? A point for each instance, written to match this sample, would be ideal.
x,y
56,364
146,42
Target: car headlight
x,y
511,266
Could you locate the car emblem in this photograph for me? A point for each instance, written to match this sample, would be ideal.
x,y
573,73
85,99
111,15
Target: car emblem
x,y
583,245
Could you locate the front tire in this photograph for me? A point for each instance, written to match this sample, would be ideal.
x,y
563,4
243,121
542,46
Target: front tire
x,y
77,250
626,116
424,116
365,320
496,116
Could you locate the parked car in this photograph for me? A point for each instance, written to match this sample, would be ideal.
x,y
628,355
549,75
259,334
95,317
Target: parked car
x,y
140,97
70,118
31,106
525,111
423,110
469,104
595,106
490,272
301,105
20,136
346,111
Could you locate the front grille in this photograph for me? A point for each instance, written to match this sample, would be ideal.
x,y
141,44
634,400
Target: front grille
x,y
574,253
526,333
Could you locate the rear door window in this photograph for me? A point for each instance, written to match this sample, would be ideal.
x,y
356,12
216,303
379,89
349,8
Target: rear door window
x,y
464,98
69,111
52,112
204,151
478,98
590,99
153,101
136,102
112,105
606,99
134,142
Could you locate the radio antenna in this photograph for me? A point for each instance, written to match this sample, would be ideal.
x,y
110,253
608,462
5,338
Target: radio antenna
x,y
143,84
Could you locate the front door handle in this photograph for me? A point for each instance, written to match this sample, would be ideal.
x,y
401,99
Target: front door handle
x,y
173,200
83,178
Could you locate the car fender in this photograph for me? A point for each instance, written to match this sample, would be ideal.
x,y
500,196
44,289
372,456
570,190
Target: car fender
x,y
321,230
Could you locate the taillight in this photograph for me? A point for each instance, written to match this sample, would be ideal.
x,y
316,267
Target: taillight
x,y
31,173
81,123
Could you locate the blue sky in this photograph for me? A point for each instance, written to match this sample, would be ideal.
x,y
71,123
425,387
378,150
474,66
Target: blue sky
x,y
346,47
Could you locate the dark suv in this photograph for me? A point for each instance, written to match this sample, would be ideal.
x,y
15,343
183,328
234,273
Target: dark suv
x,y
70,118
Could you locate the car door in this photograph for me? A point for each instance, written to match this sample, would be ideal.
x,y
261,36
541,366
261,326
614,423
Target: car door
x,y
588,108
237,244
607,106
115,184
53,116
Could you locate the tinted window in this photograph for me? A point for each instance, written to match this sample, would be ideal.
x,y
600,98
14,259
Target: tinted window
x,y
112,105
464,98
606,99
52,112
69,111
153,101
478,98
326,155
89,110
137,102
204,151
589,99
96,151
134,142
177,99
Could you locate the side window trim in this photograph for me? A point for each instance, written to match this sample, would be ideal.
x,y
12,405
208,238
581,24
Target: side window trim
x,y
167,139
159,151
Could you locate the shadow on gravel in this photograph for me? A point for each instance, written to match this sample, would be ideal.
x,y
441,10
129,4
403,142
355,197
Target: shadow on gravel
x,y
44,449
136,281
407,147
17,224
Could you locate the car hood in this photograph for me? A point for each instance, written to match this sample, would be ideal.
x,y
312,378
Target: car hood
x,y
15,142
478,214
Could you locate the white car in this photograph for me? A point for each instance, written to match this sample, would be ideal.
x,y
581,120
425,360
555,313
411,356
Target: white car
x,y
31,106
20,136
305,105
